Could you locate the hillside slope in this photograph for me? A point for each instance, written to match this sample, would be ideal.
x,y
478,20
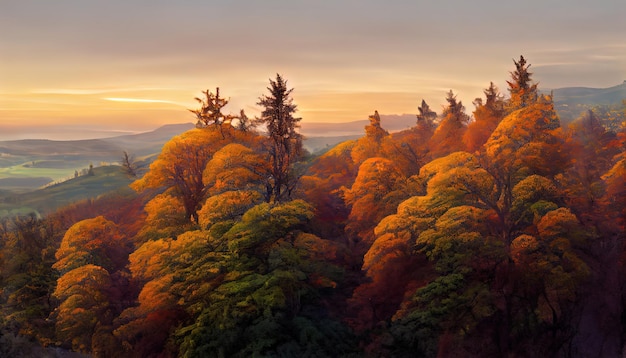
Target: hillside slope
x,y
105,180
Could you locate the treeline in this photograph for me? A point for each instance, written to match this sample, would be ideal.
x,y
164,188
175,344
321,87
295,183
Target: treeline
x,y
495,234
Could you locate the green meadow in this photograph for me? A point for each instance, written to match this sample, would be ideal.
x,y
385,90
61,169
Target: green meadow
x,y
105,179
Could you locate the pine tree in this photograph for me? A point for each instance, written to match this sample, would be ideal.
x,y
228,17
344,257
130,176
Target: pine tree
x,y
374,130
523,91
449,134
426,115
455,110
244,124
285,143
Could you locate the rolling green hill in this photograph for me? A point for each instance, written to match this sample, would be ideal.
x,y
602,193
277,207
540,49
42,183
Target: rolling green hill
x,y
105,180
29,164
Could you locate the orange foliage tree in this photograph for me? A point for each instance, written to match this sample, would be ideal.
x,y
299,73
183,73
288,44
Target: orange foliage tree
x,y
96,241
370,145
523,91
448,136
180,166
373,195
487,116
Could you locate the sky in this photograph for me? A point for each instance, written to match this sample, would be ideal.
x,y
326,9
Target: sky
x,y
87,68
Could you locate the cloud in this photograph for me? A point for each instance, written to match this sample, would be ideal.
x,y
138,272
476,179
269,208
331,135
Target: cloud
x,y
139,100
91,91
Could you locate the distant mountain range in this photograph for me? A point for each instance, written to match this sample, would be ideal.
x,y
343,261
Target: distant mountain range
x,y
570,102
593,96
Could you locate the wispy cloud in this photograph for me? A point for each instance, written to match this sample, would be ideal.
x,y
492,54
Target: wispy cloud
x,y
139,100
91,91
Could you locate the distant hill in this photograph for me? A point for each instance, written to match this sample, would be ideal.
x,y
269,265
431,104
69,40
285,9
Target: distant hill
x,y
320,136
316,145
391,122
30,163
150,142
575,95
570,102
105,179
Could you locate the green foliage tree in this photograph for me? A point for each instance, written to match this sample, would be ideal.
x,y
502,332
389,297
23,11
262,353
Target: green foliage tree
x,y
27,246
261,306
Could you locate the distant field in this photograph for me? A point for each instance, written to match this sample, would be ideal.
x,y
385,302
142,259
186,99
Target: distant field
x,y
105,179
25,175
56,164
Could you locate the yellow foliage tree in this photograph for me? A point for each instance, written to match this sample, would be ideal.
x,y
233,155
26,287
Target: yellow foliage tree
x,y
84,309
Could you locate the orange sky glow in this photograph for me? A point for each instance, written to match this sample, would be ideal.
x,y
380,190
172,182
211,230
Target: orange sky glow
x,y
74,69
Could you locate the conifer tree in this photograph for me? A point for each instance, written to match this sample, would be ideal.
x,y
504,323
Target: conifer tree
x,y
448,135
285,143
374,130
426,115
523,91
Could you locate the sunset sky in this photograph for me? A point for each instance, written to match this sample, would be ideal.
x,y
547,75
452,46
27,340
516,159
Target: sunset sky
x,y
80,68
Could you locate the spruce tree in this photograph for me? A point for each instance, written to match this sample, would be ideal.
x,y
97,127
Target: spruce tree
x,y
523,91
426,115
285,143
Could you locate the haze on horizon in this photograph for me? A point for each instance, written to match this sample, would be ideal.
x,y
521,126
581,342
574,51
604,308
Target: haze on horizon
x,y
71,68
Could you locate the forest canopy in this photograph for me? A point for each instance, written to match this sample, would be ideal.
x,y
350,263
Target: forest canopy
x,y
498,232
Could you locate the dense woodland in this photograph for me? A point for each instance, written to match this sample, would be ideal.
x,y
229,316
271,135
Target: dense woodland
x,y
496,233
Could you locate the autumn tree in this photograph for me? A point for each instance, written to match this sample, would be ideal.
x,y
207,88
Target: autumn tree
x,y
369,146
448,136
285,143
523,91
409,148
325,176
165,218
474,208
165,270
180,166
244,123
374,131
96,241
129,165
487,116
91,260
84,308
235,167
589,144
372,196
210,111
